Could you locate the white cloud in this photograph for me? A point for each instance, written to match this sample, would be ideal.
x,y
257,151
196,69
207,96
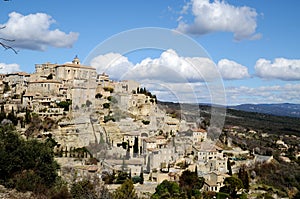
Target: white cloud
x,y
33,32
185,8
231,70
280,68
220,16
9,68
264,94
170,67
200,93
113,64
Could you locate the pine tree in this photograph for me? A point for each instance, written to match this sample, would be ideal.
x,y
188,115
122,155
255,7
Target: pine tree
x,y
125,191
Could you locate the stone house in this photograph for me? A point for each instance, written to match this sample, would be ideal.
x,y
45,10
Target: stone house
x,y
214,181
199,135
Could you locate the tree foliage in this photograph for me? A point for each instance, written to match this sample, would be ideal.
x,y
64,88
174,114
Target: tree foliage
x,y
190,183
136,146
83,189
166,190
25,165
65,105
125,191
244,177
232,185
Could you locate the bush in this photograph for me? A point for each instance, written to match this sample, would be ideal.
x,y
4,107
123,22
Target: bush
x,y
29,181
108,118
146,122
64,104
109,89
83,189
125,191
106,105
136,179
98,96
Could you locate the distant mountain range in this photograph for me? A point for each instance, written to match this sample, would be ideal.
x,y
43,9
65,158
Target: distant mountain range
x,y
284,109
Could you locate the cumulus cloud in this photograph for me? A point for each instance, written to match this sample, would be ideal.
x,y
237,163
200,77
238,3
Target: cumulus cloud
x,y
231,70
9,68
220,16
33,32
263,94
280,68
113,64
170,67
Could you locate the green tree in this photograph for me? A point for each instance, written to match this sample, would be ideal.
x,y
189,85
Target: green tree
x,y
232,185
98,95
25,165
6,87
83,189
244,177
297,195
108,89
191,184
2,113
88,103
229,167
167,190
65,105
136,146
142,176
27,116
122,176
125,191
12,117
106,105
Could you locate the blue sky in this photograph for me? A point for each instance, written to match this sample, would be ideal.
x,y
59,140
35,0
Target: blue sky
x,y
254,45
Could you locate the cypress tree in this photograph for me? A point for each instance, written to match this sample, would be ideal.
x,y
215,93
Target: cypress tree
x,y
136,146
244,177
141,176
229,167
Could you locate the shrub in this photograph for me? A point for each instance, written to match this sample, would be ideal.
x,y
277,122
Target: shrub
x,y
98,96
106,105
146,122
83,189
109,89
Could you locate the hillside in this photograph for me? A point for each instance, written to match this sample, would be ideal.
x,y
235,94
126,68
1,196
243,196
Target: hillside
x,y
251,120
283,109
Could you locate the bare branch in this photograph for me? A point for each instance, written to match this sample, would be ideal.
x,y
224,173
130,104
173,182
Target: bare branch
x,y
6,39
5,46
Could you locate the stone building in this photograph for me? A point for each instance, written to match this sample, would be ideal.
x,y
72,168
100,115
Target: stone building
x,y
17,82
214,181
61,82
199,135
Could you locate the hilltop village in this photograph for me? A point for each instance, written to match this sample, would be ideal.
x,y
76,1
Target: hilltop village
x,y
102,127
